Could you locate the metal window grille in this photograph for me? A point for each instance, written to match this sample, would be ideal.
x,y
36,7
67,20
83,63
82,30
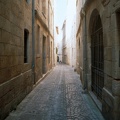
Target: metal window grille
x,y
97,52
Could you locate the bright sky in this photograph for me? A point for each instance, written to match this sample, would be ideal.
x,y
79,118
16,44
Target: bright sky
x,y
64,11
60,12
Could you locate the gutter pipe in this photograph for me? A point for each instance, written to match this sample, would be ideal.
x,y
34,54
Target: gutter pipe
x,y
33,41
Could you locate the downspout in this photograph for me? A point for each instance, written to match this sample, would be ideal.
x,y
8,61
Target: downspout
x,y
33,41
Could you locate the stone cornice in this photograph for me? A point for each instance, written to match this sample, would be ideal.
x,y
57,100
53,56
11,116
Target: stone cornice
x,y
82,13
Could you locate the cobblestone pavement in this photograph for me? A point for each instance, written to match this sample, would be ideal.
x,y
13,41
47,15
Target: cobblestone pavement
x,y
58,97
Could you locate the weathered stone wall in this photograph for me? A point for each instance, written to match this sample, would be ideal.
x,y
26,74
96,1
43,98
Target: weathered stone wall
x,y
110,17
45,22
79,39
15,76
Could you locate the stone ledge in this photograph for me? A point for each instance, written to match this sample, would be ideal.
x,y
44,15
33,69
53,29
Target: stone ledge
x,y
44,75
108,97
96,101
116,87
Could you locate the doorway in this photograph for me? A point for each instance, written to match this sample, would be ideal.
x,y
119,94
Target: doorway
x,y
97,57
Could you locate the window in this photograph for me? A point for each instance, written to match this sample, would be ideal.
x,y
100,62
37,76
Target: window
x,y
48,47
26,35
44,6
97,57
38,39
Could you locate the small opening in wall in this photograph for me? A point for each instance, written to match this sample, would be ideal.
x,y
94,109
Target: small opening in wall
x,y
26,35
38,39
79,43
118,20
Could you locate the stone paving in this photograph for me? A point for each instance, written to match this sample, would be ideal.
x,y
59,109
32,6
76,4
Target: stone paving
x,y
58,97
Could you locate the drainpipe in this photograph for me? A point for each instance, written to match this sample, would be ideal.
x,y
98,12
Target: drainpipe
x,y
33,41
85,86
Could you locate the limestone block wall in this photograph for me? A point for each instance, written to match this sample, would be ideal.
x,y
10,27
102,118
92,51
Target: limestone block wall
x,y
109,11
15,76
45,23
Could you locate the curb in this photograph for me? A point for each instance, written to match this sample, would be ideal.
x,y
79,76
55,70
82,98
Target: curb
x,y
41,79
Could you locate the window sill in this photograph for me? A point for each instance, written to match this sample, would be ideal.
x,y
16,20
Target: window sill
x,y
26,63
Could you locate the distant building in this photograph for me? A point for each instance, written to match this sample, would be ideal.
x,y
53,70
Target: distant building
x,y
59,46
69,39
73,44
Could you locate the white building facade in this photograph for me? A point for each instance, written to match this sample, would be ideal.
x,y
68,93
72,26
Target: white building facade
x,y
69,42
73,44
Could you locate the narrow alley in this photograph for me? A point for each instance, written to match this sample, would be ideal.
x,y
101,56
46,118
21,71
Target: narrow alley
x,y
59,96
60,59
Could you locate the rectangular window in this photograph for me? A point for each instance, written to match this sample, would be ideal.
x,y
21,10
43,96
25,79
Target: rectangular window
x,y
38,39
44,6
26,35
48,39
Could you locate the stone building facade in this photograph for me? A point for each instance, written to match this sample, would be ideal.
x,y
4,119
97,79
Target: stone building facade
x,y
21,58
99,52
71,32
59,54
44,40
